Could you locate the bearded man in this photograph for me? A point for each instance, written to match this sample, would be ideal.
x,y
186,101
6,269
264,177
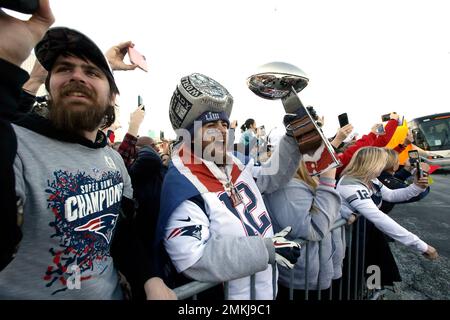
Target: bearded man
x,y
71,187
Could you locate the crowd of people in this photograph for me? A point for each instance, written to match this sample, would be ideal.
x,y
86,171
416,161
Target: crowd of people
x,y
85,217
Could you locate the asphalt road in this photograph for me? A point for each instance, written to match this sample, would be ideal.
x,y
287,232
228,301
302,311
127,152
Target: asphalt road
x,y
430,220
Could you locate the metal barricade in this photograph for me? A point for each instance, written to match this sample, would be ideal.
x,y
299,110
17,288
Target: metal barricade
x,y
359,287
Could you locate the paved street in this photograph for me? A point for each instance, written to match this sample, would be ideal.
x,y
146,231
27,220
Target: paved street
x,y
430,220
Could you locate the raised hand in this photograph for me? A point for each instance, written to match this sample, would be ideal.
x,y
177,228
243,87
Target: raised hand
x,y
341,135
116,54
376,129
409,139
37,78
19,37
136,118
394,116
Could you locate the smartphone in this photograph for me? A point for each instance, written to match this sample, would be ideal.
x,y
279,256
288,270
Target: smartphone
x,y
415,161
380,129
343,119
141,102
111,136
386,117
414,155
23,6
137,58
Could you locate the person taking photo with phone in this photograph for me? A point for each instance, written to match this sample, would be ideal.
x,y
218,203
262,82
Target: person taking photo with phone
x,y
362,193
377,247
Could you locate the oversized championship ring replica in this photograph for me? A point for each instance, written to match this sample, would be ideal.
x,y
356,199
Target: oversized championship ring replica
x,y
279,80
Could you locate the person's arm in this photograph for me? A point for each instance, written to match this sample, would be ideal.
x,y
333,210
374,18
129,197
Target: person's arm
x,y
346,156
359,200
391,126
127,149
156,289
341,135
418,197
310,216
13,191
31,87
408,140
18,39
280,168
26,102
226,258
203,256
402,174
37,79
116,55
402,194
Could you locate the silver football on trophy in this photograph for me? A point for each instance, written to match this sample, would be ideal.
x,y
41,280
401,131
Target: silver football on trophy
x,y
276,80
280,80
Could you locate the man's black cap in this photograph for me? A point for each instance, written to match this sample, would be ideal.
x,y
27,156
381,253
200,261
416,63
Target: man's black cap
x,y
60,40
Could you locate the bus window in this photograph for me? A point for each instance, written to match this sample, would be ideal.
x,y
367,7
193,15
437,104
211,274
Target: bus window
x,y
419,139
435,133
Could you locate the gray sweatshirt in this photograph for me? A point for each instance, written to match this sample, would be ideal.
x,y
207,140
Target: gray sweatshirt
x,y
311,214
71,196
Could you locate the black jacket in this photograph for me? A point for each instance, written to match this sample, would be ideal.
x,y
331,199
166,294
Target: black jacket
x,y
135,254
397,181
11,81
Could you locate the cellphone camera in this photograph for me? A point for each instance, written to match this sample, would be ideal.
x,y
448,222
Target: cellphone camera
x,y
23,6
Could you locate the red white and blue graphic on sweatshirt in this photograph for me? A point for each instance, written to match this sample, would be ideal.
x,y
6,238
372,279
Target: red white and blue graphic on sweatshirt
x,y
85,209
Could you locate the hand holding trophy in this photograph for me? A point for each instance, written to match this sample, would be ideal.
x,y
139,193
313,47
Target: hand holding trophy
x,y
279,80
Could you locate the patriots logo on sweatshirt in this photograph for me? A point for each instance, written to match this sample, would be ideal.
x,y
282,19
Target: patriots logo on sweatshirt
x,y
103,225
190,231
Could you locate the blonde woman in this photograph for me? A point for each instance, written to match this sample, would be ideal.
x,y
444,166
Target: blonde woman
x,y
310,206
363,193
377,250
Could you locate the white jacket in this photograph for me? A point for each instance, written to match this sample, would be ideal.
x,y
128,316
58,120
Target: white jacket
x,y
360,198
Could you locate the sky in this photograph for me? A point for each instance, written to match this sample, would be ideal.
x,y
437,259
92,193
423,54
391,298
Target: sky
x,y
366,58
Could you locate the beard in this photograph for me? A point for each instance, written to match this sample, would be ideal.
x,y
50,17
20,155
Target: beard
x,y
79,116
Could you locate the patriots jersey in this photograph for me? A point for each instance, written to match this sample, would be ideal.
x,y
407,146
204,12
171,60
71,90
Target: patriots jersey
x,y
366,200
190,227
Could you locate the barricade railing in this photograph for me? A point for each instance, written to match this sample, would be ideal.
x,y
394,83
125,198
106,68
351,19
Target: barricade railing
x,y
359,292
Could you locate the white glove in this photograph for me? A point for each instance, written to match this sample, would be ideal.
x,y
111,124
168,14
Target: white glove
x,y
286,251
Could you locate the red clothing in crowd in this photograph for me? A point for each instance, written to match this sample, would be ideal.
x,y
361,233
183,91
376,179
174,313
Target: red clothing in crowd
x,y
370,140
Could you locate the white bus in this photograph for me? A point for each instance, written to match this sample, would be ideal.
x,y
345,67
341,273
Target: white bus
x,y
432,134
